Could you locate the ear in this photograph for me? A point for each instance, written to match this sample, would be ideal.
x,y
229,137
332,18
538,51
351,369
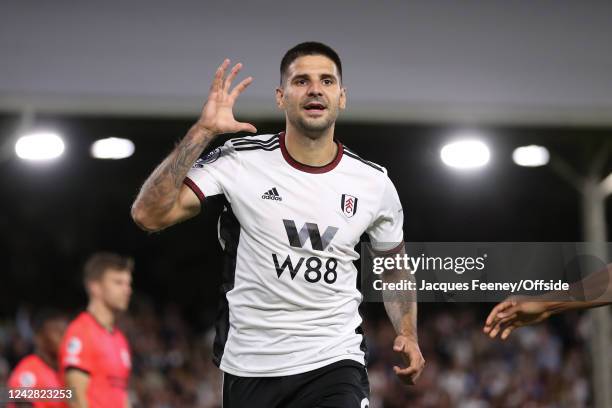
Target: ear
x,y
279,98
93,288
342,98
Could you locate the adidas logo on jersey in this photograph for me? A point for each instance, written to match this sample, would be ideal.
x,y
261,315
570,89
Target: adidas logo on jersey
x,y
272,195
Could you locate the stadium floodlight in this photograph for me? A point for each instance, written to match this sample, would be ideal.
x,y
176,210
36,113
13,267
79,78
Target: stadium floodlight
x,y
112,148
39,146
465,154
531,156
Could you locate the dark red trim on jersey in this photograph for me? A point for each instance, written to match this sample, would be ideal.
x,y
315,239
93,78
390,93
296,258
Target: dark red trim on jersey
x,y
391,251
192,185
305,167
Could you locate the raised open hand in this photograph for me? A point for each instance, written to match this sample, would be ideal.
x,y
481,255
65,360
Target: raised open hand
x,y
217,115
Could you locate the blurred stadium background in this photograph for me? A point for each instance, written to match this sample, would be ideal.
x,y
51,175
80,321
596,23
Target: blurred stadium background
x,y
419,75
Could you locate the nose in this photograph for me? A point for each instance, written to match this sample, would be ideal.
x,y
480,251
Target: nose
x,y
315,89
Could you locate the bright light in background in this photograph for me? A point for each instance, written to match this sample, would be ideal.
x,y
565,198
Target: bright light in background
x,y
112,148
531,156
39,146
466,154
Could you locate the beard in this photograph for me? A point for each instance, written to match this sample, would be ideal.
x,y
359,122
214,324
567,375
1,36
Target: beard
x,y
313,127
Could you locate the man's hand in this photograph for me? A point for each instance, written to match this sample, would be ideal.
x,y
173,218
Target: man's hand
x,y
163,199
513,313
411,353
217,116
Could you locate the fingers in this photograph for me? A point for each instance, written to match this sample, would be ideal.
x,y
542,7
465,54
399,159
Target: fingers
x,y
220,87
218,107
507,331
404,372
510,318
228,81
416,364
413,356
500,314
411,373
497,309
405,375
240,88
217,83
399,343
495,330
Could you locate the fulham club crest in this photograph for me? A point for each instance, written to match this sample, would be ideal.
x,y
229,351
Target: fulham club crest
x,y
348,204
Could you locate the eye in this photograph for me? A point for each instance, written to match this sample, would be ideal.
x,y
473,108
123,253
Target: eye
x,y
301,81
328,81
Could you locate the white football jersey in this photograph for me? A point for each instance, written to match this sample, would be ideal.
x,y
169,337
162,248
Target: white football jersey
x,y
289,233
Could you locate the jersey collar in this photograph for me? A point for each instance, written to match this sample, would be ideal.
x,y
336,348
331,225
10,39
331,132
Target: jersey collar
x,y
305,167
97,322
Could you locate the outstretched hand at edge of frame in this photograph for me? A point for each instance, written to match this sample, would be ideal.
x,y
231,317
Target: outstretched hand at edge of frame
x,y
513,313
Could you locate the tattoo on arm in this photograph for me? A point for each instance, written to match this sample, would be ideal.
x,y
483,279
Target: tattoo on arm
x,y
160,191
401,306
403,317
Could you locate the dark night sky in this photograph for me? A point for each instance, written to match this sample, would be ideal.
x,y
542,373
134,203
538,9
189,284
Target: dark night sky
x,y
54,215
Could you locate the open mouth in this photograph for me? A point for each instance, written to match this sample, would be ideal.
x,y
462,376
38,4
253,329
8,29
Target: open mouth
x,y
315,107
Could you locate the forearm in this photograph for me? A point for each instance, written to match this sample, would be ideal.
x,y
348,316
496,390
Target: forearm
x,y
401,307
160,191
78,402
555,307
403,316
79,394
593,291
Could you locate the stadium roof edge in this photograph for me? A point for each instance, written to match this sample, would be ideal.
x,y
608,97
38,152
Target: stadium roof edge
x,y
379,111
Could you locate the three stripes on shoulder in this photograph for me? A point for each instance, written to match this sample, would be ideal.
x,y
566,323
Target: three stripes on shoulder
x,y
354,155
246,143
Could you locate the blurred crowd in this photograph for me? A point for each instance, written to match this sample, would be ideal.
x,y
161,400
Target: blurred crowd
x,y
540,366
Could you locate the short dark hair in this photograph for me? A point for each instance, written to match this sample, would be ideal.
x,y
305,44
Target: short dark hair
x,y
45,315
309,48
100,262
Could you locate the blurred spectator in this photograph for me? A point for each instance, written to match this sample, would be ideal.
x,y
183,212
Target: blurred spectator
x,y
542,366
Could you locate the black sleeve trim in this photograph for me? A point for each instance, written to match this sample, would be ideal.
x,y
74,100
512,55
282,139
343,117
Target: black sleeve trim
x,y
71,367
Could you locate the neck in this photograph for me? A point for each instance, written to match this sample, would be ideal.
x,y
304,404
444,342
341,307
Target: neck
x,y
311,149
48,358
104,315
